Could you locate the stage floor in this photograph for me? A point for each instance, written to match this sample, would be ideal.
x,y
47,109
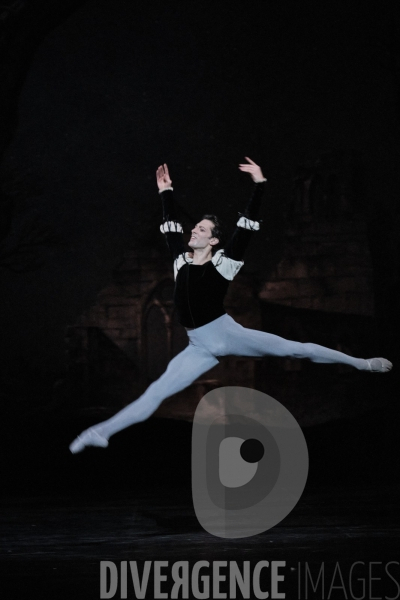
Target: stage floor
x,y
52,545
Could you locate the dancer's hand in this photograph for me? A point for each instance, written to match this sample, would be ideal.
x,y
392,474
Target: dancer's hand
x,y
253,169
163,178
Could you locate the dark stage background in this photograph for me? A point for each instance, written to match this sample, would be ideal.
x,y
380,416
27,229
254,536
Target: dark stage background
x,y
94,96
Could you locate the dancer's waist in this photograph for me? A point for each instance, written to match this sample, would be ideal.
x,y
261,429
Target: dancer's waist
x,y
202,327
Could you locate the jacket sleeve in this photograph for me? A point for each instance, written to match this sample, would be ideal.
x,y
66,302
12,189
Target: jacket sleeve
x,y
171,228
236,246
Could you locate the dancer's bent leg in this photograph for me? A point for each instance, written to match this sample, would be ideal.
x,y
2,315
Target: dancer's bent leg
x,y
251,342
181,372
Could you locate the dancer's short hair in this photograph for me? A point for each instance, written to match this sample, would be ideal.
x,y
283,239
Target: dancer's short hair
x,y
216,231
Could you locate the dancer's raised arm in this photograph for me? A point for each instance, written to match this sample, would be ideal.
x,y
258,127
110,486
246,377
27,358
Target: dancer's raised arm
x,y
247,223
171,227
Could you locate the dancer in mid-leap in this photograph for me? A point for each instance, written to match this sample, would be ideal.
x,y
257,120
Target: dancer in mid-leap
x,y
202,277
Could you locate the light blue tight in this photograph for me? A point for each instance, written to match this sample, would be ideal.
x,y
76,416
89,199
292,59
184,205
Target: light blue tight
x,y
221,337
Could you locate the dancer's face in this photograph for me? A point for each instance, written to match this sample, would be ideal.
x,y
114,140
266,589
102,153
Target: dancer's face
x,y
202,236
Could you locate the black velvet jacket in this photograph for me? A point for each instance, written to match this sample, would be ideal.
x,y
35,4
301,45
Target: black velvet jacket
x,y
200,289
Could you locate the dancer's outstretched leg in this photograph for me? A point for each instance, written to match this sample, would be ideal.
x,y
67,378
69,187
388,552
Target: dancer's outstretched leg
x,y
181,372
251,342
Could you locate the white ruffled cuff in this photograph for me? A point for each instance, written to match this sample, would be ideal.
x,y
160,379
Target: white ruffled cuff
x,y
259,180
248,224
165,189
171,227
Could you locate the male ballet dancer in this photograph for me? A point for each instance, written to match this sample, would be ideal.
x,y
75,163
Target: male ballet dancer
x,y
202,278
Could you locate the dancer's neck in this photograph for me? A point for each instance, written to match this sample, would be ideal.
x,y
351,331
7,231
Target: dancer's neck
x,y
201,256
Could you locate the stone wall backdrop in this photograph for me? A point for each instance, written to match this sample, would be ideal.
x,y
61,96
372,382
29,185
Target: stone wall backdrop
x,y
320,291
326,261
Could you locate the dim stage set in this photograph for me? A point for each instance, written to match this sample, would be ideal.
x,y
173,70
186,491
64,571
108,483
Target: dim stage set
x,y
221,493
199,302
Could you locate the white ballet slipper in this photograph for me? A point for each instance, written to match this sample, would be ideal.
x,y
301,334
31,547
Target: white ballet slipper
x,y
379,365
90,437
